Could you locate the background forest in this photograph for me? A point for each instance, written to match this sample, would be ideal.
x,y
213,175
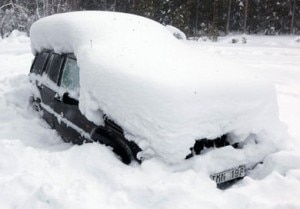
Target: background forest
x,y
194,17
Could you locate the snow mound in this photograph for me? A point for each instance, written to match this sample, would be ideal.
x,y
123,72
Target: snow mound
x,y
17,36
163,93
176,32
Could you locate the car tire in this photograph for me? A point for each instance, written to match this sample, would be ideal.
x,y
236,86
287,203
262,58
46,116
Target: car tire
x,y
119,144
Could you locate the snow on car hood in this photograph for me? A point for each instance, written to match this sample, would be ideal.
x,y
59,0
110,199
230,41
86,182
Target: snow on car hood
x,y
163,93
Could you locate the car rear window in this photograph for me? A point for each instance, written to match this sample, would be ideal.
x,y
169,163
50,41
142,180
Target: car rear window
x,y
39,63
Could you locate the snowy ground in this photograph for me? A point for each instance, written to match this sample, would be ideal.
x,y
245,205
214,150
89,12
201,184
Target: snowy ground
x,y
38,170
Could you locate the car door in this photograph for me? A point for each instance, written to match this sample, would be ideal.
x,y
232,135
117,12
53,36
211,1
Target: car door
x,y
38,71
71,124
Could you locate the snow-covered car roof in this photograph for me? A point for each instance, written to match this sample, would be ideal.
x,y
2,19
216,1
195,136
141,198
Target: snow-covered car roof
x,y
164,94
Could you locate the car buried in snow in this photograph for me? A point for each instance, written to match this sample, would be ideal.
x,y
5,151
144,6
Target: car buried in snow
x,y
126,82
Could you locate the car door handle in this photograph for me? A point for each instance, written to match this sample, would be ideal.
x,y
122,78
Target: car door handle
x,y
66,99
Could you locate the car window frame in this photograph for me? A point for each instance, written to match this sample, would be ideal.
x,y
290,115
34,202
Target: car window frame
x,y
48,67
70,56
43,69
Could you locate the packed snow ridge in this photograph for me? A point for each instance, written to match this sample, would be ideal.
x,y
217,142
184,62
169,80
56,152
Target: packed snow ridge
x,y
162,92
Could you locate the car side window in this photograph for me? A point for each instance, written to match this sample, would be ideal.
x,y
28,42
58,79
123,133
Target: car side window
x,y
39,63
54,67
70,75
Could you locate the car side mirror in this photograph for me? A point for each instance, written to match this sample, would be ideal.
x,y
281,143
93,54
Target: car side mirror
x,y
69,100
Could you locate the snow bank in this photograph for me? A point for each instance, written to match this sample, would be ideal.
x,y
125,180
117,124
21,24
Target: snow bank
x,y
265,41
17,36
176,32
17,42
162,92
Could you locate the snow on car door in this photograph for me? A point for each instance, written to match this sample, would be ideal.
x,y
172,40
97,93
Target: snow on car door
x,y
45,63
73,126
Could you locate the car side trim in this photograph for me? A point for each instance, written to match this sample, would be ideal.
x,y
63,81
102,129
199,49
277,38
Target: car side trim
x,y
60,119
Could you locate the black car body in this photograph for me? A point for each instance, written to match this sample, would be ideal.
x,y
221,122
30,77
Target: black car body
x,y
57,77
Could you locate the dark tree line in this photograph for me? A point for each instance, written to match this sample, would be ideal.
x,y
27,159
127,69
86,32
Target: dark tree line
x,y
194,17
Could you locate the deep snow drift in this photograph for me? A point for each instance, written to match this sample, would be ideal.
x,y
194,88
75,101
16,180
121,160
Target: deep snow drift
x,y
162,92
38,170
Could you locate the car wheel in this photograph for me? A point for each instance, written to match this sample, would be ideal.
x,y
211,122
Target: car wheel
x,y
119,144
